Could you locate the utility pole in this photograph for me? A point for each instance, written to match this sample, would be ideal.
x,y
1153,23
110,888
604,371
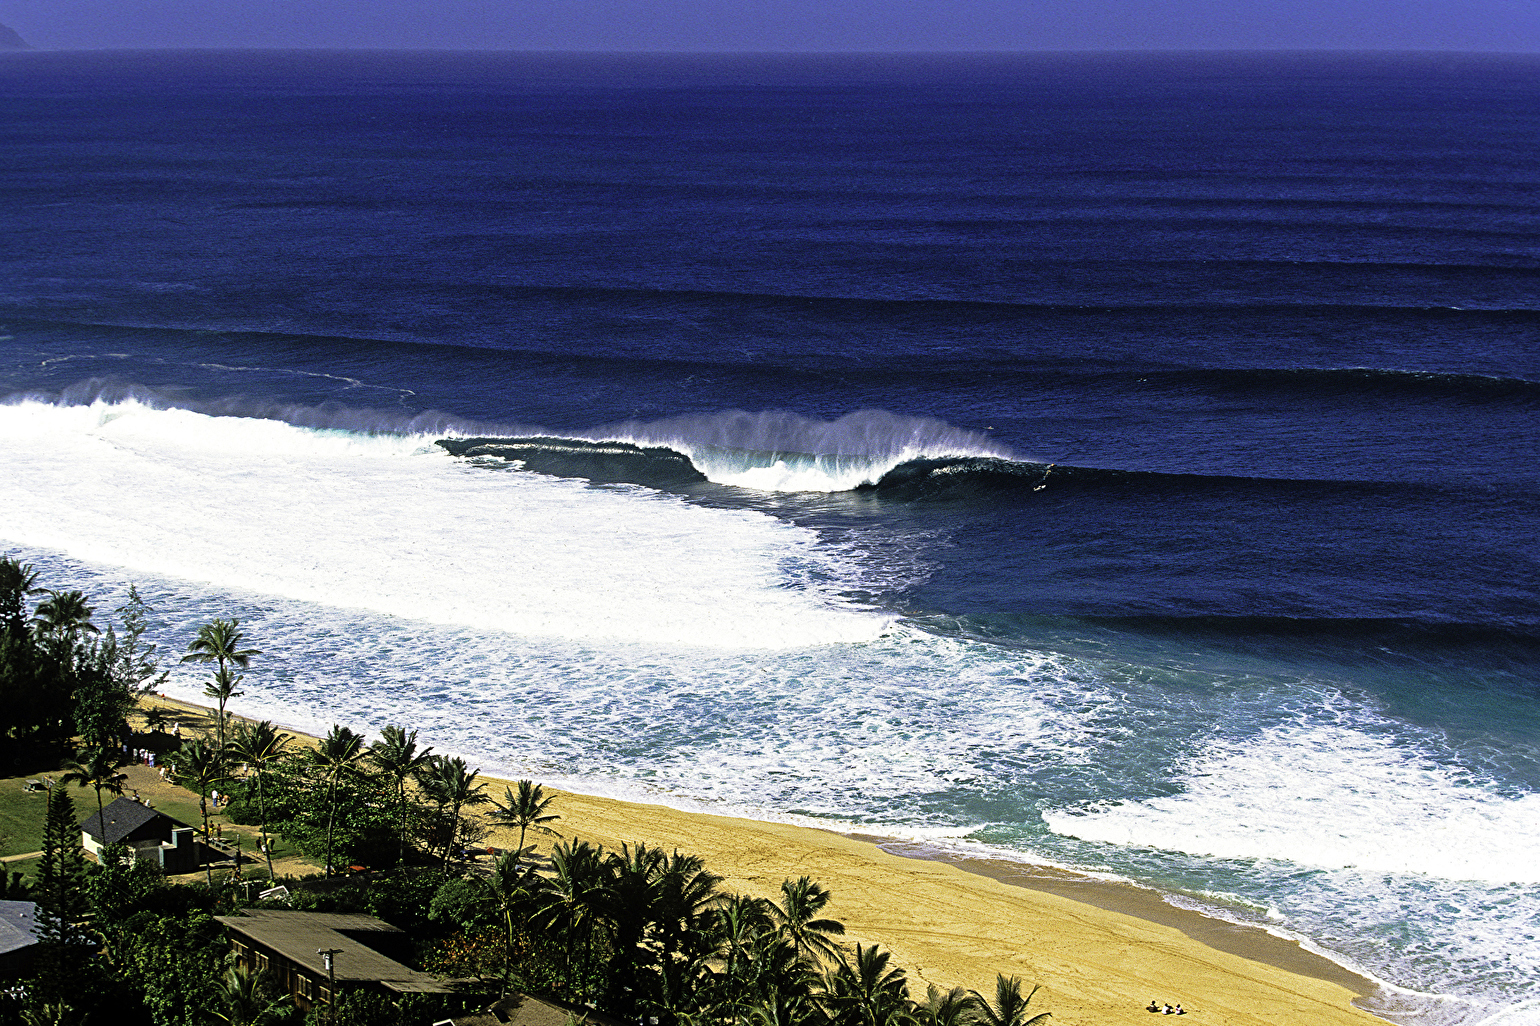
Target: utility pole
x,y
328,956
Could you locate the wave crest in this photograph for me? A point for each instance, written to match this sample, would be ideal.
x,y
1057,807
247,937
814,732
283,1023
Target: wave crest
x,y
780,451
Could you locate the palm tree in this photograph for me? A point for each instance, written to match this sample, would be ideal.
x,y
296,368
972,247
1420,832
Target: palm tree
x,y
526,810
512,886
453,785
1009,1008
221,689
339,753
627,903
247,1001
573,898
17,581
686,895
396,754
219,641
64,615
866,992
742,925
98,769
796,919
955,1007
259,746
200,767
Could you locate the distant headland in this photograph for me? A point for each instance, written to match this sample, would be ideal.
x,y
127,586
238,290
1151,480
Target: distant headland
x,y
9,40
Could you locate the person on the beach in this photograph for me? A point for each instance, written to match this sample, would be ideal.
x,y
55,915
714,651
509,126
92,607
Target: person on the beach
x,y
1178,1011
1153,1006
1167,1010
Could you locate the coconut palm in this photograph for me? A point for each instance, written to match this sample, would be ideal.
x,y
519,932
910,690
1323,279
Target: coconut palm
x,y
259,746
219,641
452,784
796,918
572,899
747,947
1009,1007
396,754
525,810
340,753
512,887
200,767
221,689
687,896
64,615
17,581
866,992
246,999
955,1007
98,768
626,903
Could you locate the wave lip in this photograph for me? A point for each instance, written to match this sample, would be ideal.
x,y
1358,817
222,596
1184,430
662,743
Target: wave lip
x,y
772,451
779,451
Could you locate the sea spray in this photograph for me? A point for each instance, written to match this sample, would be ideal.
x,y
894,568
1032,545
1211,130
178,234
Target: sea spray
x,y
780,451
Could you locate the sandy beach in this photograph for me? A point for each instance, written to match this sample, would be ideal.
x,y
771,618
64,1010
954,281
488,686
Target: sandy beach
x,y
1101,951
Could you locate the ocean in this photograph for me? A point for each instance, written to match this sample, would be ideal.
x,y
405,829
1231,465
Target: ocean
x,y
1120,462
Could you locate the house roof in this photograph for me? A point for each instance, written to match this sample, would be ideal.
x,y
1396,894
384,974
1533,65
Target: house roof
x,y
299,937
123,817
18,925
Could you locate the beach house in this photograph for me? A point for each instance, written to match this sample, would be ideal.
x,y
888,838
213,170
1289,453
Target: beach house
x,y
308,953
148,834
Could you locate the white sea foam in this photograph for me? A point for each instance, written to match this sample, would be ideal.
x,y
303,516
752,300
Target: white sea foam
x,y
776,451
394,525
1334,797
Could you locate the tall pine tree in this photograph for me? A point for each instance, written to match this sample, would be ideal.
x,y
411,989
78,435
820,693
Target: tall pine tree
x,y
62,902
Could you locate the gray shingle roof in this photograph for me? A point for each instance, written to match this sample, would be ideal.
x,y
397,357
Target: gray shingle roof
x,y
297,936
123,816
18,925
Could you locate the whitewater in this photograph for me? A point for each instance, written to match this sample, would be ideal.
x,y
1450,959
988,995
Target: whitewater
x,y
621,640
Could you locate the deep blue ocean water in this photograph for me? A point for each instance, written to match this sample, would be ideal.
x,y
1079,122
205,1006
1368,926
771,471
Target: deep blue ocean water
x,y
1125,462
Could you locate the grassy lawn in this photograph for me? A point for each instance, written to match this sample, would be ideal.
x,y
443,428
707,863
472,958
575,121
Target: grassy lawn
x,y
21,815
21,820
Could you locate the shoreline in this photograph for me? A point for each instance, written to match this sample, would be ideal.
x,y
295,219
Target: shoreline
x,y
1100,949
1247,941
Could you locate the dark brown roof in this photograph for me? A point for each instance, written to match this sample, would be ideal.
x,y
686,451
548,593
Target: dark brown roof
x,y
123,816
299,936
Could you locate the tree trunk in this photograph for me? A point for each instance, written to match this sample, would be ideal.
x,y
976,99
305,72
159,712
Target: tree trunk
x,y
267,849
331,814
208,868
